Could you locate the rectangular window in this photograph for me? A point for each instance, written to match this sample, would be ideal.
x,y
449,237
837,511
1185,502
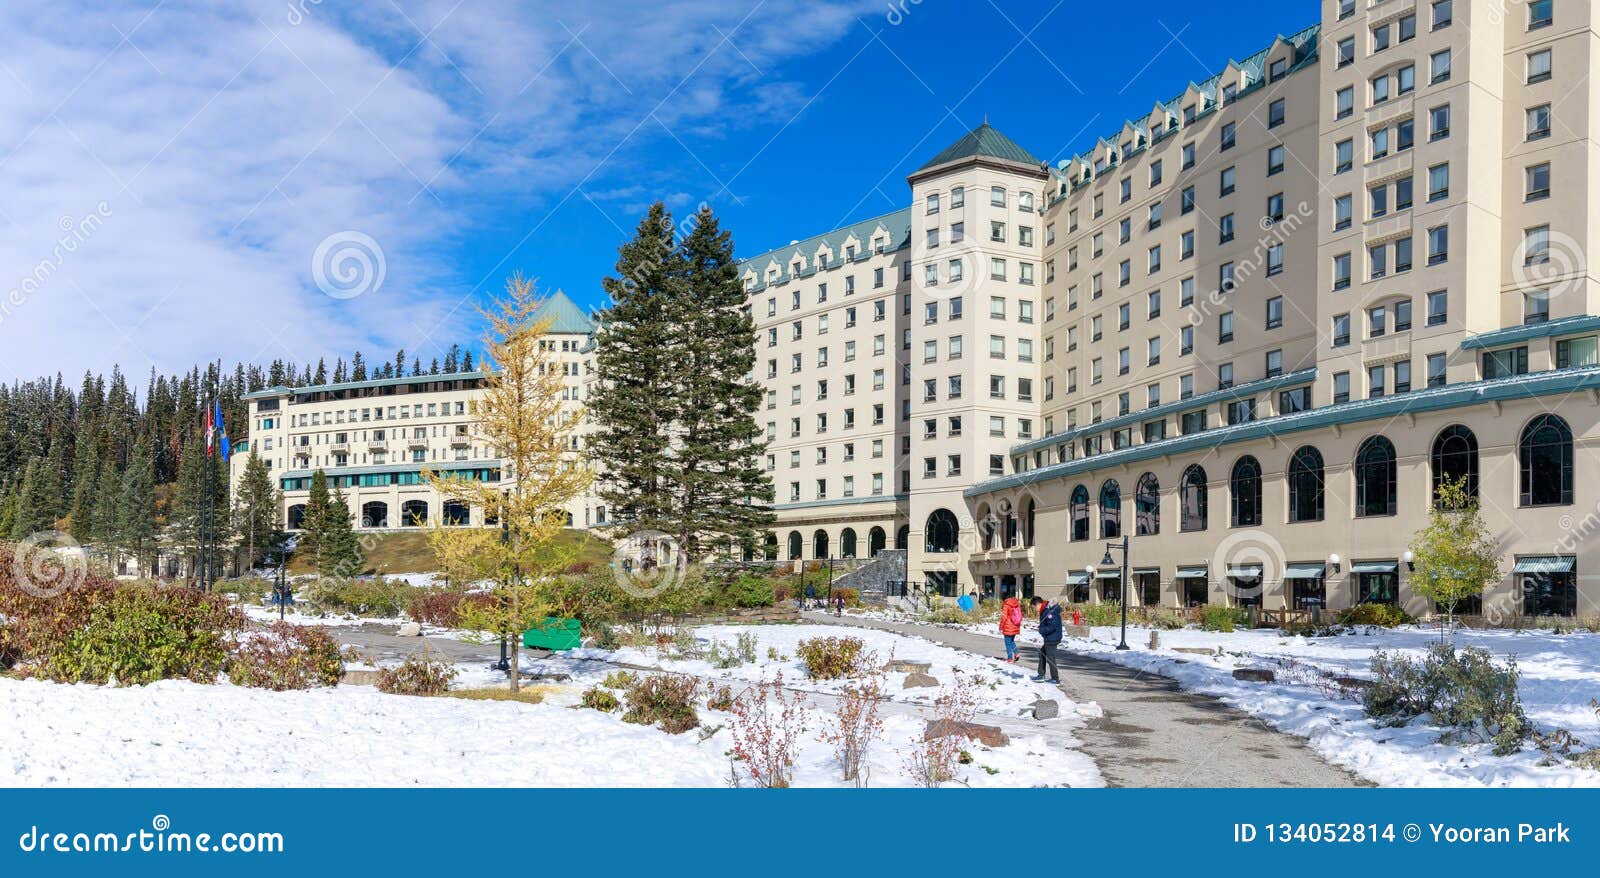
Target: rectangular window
x,y
1575,352
1538,66
1436,370
1341,330
1439,122
1536,182
1438,307
1341,387
1344,154
1538,122
1439,67
1505,363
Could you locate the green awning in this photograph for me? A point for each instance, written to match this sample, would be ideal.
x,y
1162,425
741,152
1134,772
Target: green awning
x,y
1197,572
1545,564
1108,574
1374,567
1077,578
1304,571
1245,571
1138,571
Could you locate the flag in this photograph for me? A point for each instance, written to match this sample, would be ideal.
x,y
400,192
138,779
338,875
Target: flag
x,y
222,433
211,434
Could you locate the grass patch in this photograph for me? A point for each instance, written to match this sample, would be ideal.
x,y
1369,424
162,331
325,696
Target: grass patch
x,y
526,695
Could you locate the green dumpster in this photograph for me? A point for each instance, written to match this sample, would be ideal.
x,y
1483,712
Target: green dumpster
x,y
554,634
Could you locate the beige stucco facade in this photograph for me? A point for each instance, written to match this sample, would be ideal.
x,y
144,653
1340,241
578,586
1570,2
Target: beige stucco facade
x,y
1292,296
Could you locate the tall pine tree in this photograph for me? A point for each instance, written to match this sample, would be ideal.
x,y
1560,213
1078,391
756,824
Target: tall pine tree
x,y
634,364
675,403
722,496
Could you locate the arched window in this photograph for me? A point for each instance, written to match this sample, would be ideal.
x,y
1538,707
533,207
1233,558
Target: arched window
x,y
987,525
770,547
297,516
1080,513
796,545
847,543
1375,477
942,532
1545,452
1147,506
902,537
1029,517
375,513
455,513
1010,538
1244,489
1110,510
819,545
1305,485
1455,459
1192,500
414,513
876,539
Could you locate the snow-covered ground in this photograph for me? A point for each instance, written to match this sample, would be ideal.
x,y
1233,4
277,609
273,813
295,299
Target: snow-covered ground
x,y
1560,675
184,734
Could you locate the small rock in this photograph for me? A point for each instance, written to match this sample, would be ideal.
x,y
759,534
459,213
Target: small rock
x,y
1254,675
1045,708
360,678
989,736
919,680
1078,631
409,629
901,666
1195,650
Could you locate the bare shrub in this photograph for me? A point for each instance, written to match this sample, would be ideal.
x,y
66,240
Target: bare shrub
x,y
854,727
766,728
931,761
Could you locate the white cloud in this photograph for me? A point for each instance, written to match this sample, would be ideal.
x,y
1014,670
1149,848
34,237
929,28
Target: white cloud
x,y
216,147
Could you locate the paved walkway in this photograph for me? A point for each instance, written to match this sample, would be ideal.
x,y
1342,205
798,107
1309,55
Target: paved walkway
x,y
1152,733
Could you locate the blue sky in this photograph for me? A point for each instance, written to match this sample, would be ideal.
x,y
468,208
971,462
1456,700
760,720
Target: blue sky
x,y
298,179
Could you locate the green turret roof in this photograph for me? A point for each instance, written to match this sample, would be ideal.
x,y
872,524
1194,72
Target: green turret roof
x,y
567,318
984,140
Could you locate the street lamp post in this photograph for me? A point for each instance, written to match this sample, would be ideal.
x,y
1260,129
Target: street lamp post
x,y
1107,562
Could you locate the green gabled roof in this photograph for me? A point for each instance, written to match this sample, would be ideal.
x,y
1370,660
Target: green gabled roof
x,y
567,318
896,224
984,140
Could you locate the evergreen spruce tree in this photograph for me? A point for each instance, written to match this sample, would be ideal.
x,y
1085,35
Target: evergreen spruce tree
x,y
635,365
35,500
358,368
104,515
466,362
136,527
339,552
80,515
416,366
313,522
722,497
255,509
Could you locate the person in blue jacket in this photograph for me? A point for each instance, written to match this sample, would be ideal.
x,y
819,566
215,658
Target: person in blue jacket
x,y
1050,633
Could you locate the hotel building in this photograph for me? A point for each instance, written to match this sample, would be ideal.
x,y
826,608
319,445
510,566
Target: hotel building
x,y
372,439
1249,332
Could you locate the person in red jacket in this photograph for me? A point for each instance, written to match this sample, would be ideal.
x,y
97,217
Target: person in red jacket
x,y
1011,625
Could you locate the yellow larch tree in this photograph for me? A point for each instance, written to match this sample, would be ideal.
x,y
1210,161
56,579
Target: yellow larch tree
x,y
522,416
